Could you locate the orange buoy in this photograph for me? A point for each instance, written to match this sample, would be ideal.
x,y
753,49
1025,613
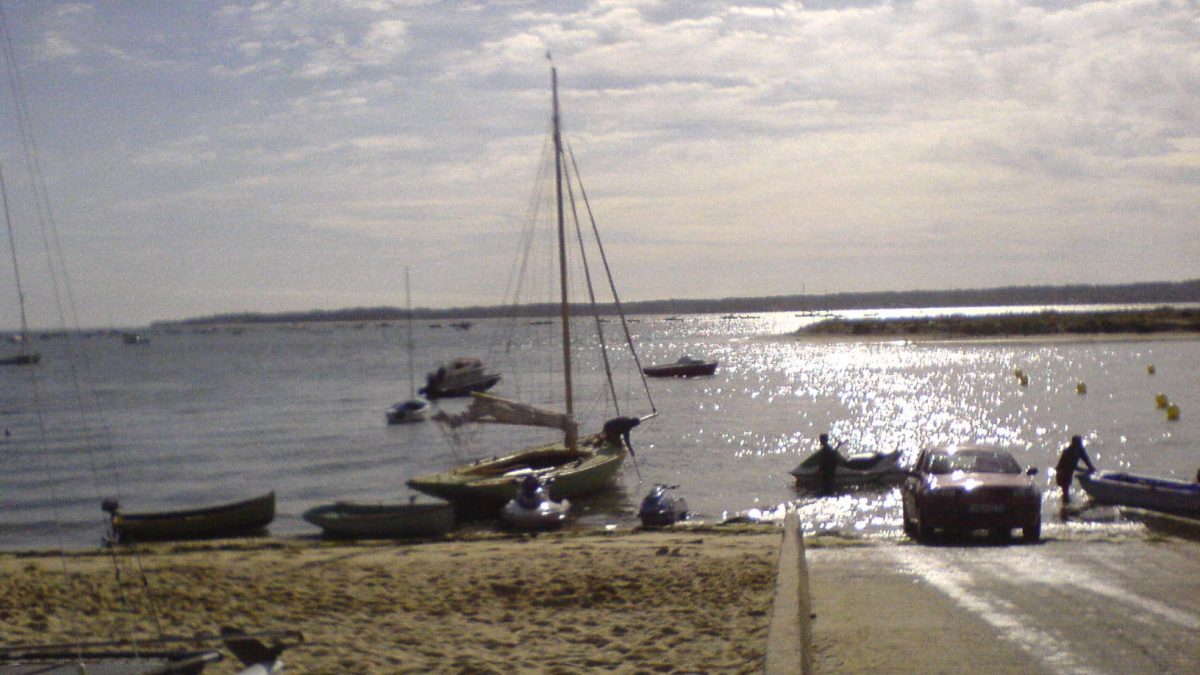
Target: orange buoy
x,y
1024,380
1161,401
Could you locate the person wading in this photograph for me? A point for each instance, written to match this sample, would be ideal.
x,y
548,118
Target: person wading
x,y
1064,471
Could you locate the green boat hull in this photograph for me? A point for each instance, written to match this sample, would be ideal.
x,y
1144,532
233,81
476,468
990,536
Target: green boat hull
x,y
490,483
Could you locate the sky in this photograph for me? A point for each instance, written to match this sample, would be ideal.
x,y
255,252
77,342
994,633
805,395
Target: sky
x,y
205,157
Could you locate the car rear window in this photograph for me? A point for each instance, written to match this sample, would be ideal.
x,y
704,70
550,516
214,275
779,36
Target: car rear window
x,y
972,461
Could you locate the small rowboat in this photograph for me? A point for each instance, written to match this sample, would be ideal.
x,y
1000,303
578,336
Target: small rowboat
x,y
351,520
1146,492
211,522
686,366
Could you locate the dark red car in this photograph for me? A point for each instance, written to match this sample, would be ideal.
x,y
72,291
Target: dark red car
x,y
962,488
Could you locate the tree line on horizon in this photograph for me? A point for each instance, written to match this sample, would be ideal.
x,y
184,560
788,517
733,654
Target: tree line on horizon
x,y
1138,293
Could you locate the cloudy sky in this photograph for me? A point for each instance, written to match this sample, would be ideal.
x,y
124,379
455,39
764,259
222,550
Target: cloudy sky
x,y
210,156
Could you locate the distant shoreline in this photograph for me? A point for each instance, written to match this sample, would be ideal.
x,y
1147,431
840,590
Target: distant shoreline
x,y
1049,324
1150,293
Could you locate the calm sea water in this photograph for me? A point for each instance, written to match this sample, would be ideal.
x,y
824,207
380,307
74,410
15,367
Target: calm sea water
x,y
194,417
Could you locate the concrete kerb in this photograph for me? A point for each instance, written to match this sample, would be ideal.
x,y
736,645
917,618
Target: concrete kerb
x,y
789,638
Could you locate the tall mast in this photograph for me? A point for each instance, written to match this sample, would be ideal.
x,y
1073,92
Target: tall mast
x,y
12,243
412,383
562,259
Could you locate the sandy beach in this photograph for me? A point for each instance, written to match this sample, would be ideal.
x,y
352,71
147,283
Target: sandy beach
x,y
627,601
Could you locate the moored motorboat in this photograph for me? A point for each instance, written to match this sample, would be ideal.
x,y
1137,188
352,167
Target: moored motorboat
x,y
354,520
686,366
408,412
662,507
457,378
241,518
1146,492
864,468
532,509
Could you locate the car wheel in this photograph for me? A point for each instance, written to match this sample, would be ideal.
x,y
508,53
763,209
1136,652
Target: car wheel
x,y
921,531
909,527
1033,531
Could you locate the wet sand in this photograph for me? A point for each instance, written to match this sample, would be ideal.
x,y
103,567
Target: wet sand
x,y
679,601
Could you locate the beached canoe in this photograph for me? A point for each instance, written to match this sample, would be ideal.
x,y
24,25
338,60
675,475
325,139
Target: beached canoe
x,y
1146,492
234,519
353,520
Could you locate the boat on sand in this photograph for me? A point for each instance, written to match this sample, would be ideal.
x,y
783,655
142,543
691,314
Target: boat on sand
x,y
355,520
1145,492
234,519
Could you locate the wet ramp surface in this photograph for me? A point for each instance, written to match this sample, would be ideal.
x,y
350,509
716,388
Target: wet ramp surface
x,y
1065,606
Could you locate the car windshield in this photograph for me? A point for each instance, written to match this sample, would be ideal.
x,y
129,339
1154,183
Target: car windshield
x,y
972,461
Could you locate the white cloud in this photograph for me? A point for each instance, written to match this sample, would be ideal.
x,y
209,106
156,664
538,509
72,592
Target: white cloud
x,y
825,137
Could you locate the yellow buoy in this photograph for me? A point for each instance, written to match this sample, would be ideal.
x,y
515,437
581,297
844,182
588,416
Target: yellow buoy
x,y
1173,412
1150,369
1081,388
1161,400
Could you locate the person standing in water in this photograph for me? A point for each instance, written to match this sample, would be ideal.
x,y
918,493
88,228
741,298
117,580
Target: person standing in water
x,y
1064,471
827,466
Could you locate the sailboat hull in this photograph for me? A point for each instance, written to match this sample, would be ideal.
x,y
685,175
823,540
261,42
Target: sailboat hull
x,y
491,483
21,360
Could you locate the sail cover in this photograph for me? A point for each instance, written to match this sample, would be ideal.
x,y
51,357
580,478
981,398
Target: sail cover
x,y
487,409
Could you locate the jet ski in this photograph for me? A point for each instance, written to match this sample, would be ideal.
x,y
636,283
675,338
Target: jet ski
x,y
863,468
662,507
532,509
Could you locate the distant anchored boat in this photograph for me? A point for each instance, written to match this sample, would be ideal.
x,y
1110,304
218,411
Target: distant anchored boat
x,y
459,377
23,359
686,366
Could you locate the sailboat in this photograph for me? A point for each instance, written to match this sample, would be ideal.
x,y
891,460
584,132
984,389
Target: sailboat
x,y
577,465
23,357
414,409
